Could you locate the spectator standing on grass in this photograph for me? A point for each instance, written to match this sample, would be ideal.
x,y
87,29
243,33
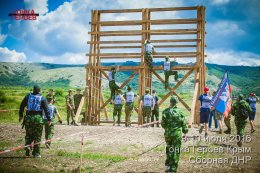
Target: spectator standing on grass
x,y
49,129
252,103
51,95
174,125
33,120
70,108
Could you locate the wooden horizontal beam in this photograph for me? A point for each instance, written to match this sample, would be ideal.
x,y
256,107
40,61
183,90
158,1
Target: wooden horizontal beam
x,y
155,46
131,68
150,9
140,32
139,22
138,55
139,41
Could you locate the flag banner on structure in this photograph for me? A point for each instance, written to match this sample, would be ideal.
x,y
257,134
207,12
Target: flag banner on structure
x,y
221,101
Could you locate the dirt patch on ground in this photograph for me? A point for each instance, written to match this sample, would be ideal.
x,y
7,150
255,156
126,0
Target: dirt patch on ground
x,y
121,149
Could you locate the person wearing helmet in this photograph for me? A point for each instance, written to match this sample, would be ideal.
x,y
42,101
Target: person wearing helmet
x,y
252,102
112,83
205,100
129,106
174,125
240,110
33,121
146,105
118,101
168,72
149,51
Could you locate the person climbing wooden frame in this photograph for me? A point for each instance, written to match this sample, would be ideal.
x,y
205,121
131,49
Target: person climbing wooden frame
x,y
112,83
149,51
168,72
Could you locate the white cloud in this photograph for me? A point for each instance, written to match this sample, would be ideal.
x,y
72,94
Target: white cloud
x,y
219,2
7,55
66,58
2,36
230,57
39,6
225,28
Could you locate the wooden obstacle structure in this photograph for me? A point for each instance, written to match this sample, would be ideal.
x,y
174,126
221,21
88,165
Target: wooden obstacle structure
x,y
101,30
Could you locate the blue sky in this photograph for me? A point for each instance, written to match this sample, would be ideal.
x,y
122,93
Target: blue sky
x,y
60,33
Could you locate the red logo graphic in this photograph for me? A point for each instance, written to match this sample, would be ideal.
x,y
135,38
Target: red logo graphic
x,y
24,15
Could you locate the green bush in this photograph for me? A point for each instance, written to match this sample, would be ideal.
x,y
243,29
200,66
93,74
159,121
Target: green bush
x,y
59,92
3,97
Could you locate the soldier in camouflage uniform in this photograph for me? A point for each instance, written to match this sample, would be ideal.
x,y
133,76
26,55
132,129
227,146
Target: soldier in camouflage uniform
x,y
149,51
49,130
174,125
129,106
77,98
118,101
146,105
70,108
168,72
227,123
112,83
240,122
33,119
155,111
51,95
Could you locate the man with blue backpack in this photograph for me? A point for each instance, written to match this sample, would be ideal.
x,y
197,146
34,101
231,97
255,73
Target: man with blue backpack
x,y
33,121
49,129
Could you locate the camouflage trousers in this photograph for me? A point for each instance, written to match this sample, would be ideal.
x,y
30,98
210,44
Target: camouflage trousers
x,y
128,113
33,128
173,147
113,87
149,60
240,125
167,74
146,112
70,114
117,112
49,131
155,114
227,121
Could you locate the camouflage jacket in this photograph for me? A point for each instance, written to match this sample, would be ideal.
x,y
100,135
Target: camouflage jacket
x,y
235,110
173,120
70,101
77,99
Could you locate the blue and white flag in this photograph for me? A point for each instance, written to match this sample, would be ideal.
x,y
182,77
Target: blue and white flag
x,y
221,101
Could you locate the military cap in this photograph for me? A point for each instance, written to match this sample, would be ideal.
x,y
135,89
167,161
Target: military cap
x,y
174,100
147,90
153,91
78,89
167,57
113,68
147,41
51,89
70,90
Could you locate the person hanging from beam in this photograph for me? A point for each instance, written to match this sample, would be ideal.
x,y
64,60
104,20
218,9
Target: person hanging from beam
x,y
112,83
149,51
118,101
168,72
146,105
